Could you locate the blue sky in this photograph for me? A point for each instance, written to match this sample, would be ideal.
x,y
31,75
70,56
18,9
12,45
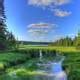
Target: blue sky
x,y
61,17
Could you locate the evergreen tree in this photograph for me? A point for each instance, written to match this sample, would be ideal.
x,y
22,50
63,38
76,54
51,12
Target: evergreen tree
x,y
75,41
3,31
63,42
7,39
11,41
78,39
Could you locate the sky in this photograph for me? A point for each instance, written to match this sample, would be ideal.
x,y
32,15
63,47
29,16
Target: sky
x,y
42,20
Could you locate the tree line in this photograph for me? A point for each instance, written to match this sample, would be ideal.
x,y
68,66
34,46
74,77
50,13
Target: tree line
x,y
7,39
67,41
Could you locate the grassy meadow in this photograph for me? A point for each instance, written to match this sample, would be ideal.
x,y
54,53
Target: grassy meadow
x,y
23,61
59,48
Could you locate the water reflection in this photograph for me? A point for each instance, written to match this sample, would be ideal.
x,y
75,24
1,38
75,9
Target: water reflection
x,y
51,70
54,69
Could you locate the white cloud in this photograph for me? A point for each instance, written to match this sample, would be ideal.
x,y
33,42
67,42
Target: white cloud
x,y
51,5
47,2
41,25
61,2
41,28
61,13
40,2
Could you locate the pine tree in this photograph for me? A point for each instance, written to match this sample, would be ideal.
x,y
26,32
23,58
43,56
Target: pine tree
x,y
7,39
11,40
78,39
3,30
75,41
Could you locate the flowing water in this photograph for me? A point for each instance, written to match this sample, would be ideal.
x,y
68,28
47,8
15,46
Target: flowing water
x,y
51,70
54,69
40,55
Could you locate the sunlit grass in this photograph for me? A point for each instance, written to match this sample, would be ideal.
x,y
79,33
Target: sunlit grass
x,y
59,48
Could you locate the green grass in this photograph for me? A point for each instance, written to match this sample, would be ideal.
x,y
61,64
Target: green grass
x,y
10,56
60,48
72,60
11,59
